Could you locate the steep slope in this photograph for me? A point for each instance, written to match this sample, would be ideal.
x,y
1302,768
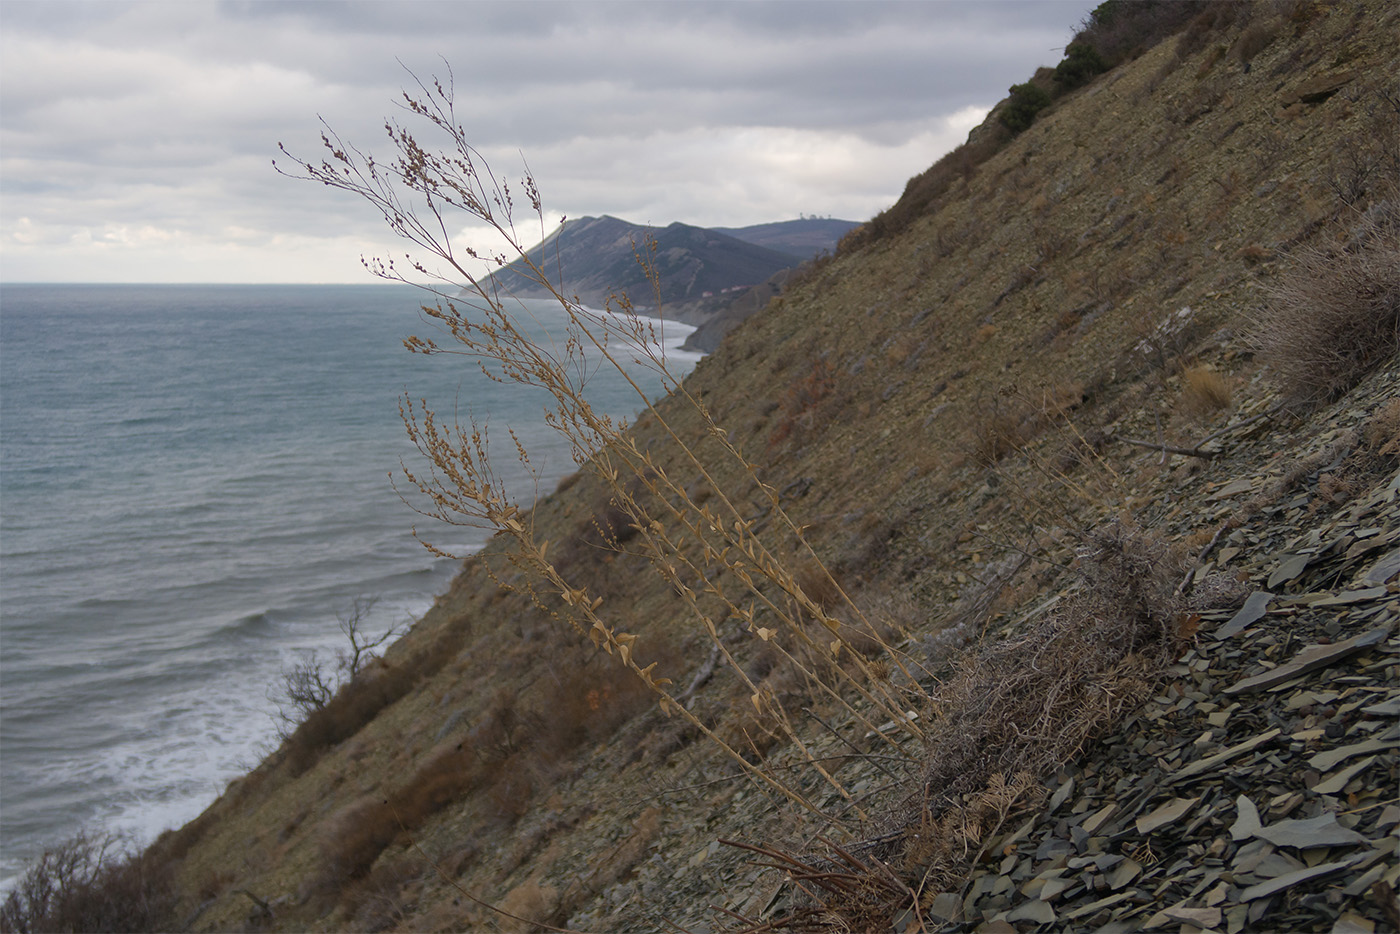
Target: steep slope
x,y
953,410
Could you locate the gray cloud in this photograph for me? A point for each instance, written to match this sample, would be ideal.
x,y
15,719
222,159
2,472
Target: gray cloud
x,y
136,137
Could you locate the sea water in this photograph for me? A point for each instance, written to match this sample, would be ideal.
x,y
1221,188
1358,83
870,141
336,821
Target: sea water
x,y
194,486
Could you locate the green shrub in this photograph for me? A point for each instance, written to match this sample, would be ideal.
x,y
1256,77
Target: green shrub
x,y
1081,63
1025,102
1120,30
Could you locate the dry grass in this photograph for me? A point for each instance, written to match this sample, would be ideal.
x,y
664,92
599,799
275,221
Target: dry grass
x,y
1013,712
1204,392
1335,314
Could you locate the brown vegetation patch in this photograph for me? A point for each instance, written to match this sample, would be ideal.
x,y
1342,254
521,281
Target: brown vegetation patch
x,y
1013,712
90,884
1333,318
1204,391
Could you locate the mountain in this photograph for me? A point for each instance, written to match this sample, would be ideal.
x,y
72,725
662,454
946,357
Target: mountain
x,y
594,257
803,239
1037,569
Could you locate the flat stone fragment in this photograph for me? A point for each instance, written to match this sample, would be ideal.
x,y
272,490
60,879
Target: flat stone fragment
x,y
1338,781
946,906
1165,814
1095,821
1353,923
999,926
1233,488
1251,855
1034,910
1278,884
1253,610
1288,569
1322,830
1200,917
1324,761
1353,596
1390,708
1248,823
1095,907
1273,864
1384,569
1205,765
1310,659
1123,873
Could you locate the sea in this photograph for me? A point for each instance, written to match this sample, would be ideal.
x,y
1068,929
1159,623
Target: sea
x,y
195,487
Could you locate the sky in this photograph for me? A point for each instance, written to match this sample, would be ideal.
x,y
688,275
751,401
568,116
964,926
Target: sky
x,y
137,139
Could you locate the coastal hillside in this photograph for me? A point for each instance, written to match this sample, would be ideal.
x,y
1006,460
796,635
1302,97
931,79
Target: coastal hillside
x,y
803,239
595,257
1032,563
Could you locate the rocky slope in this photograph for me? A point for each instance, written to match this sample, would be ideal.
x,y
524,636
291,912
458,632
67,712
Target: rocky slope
x,y
1054,350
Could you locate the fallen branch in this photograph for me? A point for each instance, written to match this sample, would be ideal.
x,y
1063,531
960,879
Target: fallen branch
x,y
1197,450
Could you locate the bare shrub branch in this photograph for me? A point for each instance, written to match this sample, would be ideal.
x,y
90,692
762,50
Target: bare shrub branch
x,y
89,883
311,683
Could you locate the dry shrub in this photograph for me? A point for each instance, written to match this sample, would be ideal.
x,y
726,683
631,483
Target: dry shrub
x,y
1013,712
352,840
356,703
1030,703
1014,417
1254,253
1382,431
512,789
1005,428
923,190
586,702
379,902
1213,19
1203,391
819,584
1333,318
90,884
1123,31
526,904
1257,37
445,774
802,399
1370,455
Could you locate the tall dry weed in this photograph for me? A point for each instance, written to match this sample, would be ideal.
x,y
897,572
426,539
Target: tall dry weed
x,y
727,567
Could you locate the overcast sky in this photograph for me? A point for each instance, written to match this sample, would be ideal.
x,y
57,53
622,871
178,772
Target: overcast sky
x,y
136,139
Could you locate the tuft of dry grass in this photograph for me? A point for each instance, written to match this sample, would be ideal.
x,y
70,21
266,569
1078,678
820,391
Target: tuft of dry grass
x,y
1333,317
1204,391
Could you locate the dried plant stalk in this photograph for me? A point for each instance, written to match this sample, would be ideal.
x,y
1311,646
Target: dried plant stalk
x,y
715,545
